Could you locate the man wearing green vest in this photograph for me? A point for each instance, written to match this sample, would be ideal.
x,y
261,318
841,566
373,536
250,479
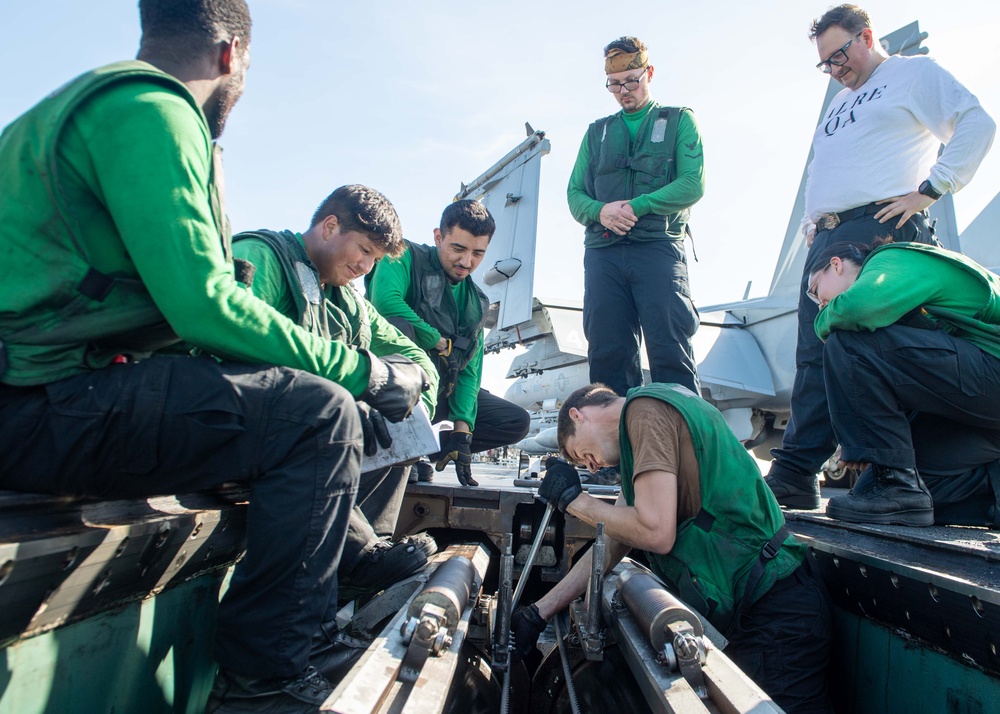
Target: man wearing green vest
x,y
694,501
429,294
637,174
912,367
116,260
307,278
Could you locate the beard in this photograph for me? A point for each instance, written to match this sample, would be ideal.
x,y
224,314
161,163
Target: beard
x,y
221,103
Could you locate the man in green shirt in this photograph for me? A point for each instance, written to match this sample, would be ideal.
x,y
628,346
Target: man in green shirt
x,y
636,176
693,500
116,251
912,366
307,278
429,294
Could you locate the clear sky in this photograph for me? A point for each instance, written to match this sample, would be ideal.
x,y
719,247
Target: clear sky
x,y
415,97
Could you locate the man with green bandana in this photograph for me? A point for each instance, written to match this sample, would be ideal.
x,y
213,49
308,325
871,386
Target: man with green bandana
x,y
307,278
115,252
636,176
429,294
692,499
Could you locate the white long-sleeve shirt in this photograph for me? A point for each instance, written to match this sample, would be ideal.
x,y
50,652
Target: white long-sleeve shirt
x,y
881,140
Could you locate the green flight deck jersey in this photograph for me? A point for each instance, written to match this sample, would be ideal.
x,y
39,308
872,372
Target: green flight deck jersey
x,y
114,239
919,284
653,158
415,288
286,279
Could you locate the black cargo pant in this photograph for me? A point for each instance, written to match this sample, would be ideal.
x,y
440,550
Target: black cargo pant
x,y
170,425
808,440
782,642
634,291
906,397
498,422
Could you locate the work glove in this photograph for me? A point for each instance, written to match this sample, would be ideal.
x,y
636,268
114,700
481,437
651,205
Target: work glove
x,y
526,624
394,385
373,427
458,448
561,484
447,367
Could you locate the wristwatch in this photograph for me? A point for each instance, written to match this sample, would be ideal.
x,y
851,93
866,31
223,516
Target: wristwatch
x,y
929,191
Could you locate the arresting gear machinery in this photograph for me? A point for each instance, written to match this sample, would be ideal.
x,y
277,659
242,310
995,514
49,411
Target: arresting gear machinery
x,y
445,646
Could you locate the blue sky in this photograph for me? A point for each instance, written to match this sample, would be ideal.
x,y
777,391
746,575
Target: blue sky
x,y
413,98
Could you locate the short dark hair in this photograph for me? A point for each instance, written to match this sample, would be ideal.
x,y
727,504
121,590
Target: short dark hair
x,y
627,43
468,215
363,209
593,395
849,251
184,27
849,18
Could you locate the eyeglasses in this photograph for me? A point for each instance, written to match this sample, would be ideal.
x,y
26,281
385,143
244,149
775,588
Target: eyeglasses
x,y
629,85
814,284
838,58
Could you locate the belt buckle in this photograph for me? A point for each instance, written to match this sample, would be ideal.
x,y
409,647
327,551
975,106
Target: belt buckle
x,y
827,222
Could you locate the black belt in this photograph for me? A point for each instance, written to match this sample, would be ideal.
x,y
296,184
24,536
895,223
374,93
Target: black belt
x,y
829,221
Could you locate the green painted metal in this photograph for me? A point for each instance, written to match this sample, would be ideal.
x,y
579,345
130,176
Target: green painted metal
x,y
146,657
876,670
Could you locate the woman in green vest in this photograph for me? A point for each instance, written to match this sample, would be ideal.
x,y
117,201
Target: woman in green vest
x,y
912,367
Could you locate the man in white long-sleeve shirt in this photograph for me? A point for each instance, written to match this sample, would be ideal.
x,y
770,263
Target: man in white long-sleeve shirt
x,y
874,173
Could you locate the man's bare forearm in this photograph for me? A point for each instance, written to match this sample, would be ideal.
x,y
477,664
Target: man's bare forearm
x,y
575,583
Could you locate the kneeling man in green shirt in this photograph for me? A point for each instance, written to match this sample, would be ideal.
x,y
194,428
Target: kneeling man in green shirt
x,y
428,293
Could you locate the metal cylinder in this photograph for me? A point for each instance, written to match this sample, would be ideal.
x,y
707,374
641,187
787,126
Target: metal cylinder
x,y
654,608
448,588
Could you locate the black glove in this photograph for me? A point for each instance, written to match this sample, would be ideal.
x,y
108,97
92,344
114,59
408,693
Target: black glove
x,y
394,385
561,484
447,367
525,626
458,448
374,429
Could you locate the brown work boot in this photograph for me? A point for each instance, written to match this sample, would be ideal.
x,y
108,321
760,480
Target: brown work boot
x,y
888,496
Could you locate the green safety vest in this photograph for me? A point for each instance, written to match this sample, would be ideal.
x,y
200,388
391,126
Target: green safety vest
x,y
620,170
981,329
90,314
431,298
718,552
336,313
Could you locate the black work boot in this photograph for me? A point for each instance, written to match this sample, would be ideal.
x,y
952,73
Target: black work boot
x,y
890,497
236,694
385,564
334,652
425,471
802,494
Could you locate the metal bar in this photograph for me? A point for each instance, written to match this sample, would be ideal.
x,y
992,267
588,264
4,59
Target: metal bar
x,y
596,581
532,554
501,647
